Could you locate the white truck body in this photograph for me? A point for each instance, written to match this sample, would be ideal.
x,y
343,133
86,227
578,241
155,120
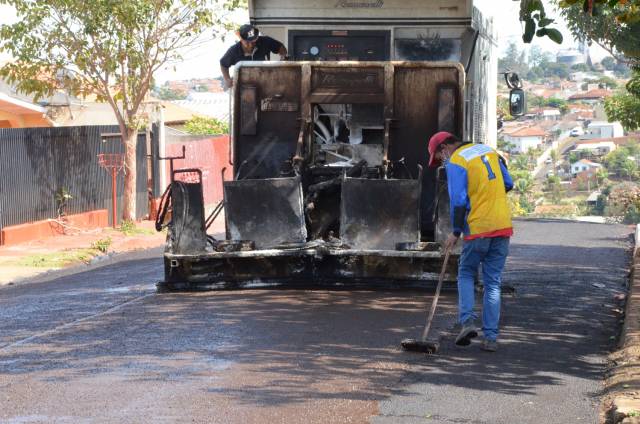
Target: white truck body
x,y
398,30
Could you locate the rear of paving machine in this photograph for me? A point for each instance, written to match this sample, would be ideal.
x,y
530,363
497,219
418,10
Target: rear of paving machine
x,y
330,183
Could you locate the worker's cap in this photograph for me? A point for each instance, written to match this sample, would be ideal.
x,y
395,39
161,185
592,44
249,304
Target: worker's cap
x,y
434,142
248,32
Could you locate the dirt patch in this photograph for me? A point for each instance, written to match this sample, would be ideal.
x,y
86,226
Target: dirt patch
x,y
622,385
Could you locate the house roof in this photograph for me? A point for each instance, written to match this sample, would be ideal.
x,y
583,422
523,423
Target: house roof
x,y
17,106
589,146
616,140
215,105
528,132
580,106
599,93
96,113
588,163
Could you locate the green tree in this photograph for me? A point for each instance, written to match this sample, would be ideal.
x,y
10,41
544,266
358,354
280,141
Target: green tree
x,y
601,176
165,93
612,24
574,157
523,186
538,57
607,82
505,146
621,70
608,63
580,67
558,104
107,48
624,106
622,162
553,154
502,109
521,162
555,188
206,126
514,60
559,70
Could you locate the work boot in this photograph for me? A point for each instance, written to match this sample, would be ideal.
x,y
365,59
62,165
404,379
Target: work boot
x,y
468,332
489,345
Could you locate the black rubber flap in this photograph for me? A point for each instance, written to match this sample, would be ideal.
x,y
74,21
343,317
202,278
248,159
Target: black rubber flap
x,y
189,234
378,214
267,211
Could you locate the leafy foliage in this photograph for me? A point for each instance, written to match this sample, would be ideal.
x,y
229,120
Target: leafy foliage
x,y
613,24
624,201
514,60
608,63
165,93
536,22
211,126
622,161
625,105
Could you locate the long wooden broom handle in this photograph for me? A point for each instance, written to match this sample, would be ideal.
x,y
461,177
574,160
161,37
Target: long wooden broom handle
x,y
434,303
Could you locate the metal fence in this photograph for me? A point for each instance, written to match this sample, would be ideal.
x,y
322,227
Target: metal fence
x,y
36,163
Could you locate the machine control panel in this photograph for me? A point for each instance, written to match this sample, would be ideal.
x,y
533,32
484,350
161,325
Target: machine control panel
x,y
339,45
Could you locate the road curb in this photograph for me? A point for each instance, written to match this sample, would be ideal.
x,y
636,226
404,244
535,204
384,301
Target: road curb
x,y
624,384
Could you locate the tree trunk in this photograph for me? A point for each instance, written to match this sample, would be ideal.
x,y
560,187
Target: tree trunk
x,y
130,137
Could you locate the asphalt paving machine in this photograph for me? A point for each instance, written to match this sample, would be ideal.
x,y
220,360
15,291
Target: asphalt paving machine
x,y
327,180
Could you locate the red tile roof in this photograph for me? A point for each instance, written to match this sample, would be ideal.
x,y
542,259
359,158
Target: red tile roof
x,y
616,140
528,132
598,93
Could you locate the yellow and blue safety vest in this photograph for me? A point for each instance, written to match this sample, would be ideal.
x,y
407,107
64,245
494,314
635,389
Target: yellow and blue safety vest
x,y
478,182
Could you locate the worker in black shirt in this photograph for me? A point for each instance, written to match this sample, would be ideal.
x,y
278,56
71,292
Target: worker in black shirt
x,y
251,46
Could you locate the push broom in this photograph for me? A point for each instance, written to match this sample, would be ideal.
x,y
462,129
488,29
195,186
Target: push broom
x,y
424,345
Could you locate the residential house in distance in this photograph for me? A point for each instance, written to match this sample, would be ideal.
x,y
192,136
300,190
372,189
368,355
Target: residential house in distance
x,y
214,105
584,165
594,149
570,57
602,129
591,96
551,114
524,138
17,111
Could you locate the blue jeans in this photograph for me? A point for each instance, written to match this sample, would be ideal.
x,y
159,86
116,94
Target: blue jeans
x,y
492,254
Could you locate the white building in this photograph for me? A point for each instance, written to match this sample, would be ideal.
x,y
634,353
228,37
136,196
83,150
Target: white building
x,y
570,57
599,148
601,129
583,165
525,139
551,114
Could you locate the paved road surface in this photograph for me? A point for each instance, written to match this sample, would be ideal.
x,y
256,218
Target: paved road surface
x,y
99,345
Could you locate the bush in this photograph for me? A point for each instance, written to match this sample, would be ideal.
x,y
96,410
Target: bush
x,y
624,203
200,125
102,245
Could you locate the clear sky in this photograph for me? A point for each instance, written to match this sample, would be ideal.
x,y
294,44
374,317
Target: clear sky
x,y
202,62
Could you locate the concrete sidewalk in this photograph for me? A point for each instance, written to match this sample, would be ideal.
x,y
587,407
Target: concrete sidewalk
x,y
23,261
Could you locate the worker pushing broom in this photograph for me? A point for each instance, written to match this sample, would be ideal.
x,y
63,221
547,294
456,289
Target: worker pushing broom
x,y
478,182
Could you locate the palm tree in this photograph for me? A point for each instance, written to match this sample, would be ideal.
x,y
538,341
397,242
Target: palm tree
x,y
521,162
601,175
629,168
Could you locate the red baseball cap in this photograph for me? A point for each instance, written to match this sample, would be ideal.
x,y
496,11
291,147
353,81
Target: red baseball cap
x,y
436,140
